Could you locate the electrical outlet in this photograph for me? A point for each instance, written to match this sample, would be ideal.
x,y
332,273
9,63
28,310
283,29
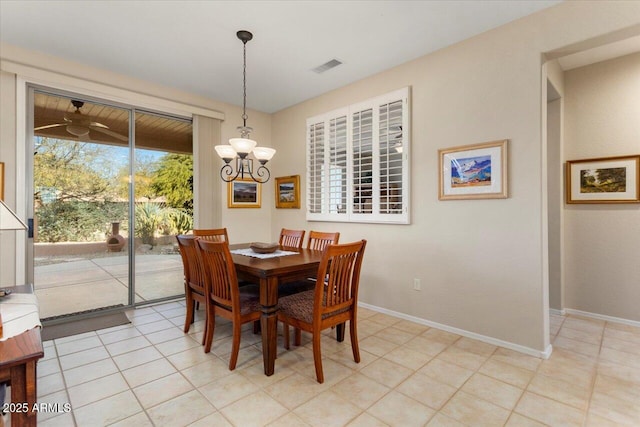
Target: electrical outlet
x,y
416,285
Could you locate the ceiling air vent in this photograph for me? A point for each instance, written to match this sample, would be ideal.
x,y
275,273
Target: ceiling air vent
x,y
327,66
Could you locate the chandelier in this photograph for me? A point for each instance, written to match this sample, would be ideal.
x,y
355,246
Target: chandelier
x,y
240,148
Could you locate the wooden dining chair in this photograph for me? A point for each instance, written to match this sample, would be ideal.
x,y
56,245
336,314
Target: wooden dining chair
x,y
214,234
225,297
330,303
291,238
194,280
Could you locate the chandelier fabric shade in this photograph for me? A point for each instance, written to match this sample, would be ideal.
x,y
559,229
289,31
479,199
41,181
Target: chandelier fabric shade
x,y
241,148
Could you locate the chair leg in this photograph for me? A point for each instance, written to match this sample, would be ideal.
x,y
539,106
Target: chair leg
x,y
235,347
340,332
285,334
354,340
189,316
209,329
298,337
317,356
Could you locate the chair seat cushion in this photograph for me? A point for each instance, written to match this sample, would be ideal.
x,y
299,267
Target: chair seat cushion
x,y
300,306
249,299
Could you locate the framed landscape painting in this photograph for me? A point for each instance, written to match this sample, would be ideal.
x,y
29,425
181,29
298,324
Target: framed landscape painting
x,y
603,180
288,192
244,194
477,171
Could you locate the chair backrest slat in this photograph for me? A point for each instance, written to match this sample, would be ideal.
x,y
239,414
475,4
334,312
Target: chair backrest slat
x,y
341,266
291,238
213,234
221,278
319,240
193,269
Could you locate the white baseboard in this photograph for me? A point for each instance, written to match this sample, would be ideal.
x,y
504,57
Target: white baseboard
x,y
562,312
602,317
489,340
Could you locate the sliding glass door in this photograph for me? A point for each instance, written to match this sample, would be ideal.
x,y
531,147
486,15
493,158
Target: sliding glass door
x,y
111,188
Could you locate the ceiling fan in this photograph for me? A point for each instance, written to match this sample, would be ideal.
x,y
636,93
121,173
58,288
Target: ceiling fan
x,y
79,124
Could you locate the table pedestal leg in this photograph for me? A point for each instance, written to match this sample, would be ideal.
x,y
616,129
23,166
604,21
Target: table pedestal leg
x,y
269,323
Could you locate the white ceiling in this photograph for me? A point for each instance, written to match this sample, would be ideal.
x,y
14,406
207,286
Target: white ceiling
x,y
192,45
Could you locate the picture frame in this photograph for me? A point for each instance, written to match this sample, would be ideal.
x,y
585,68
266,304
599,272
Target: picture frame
x,y
476,171
1,180
603,180
288,192
244,193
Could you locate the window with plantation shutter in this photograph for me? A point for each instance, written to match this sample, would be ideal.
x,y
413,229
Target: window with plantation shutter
x,y
358,162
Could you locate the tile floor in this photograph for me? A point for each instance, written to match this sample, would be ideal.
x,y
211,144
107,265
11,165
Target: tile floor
x,y
150,373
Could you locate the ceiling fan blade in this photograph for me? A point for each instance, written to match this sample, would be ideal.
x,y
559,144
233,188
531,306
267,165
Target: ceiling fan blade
x,y
110,133
50,126
98,125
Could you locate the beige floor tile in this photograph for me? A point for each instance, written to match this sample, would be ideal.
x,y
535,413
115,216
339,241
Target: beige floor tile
x,y
411,327
137,357
216,419
206,372
164,335
549,411
345,357
447,373
56,400
50,384
48,367
82,358
377,346
395,335
517,420
475,346
621,357
109,410
623,333
472,411
580,347
89,372
327,409
181,410
615,370
635,330
440,420
384,319
227,390
151,327
366,420
441,336
264,409
426,345
553,388
64,420
594,326
148,372
616,399
97,389
360,390
408,358
162,390
128,345
517,359
138,420
119,335
78,345
594,420
190,357
494,391
621,345
368,327
178,345
461,357
288,420
579,335
426,390
386,372
397,409
507,373
294,390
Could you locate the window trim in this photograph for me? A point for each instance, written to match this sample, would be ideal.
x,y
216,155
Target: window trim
x,y
349,216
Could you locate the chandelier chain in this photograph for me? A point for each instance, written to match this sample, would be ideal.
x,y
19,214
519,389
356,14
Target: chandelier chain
x,y
244,84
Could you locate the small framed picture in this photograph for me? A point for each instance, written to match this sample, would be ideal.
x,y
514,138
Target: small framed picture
x,y
244,194
603,180
477,171
288,192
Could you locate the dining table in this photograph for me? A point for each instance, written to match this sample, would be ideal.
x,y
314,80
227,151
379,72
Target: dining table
x,y
269,273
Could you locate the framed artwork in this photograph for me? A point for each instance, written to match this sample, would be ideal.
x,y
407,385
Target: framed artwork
x,y
477,171
244,194
1,181
603,180
288,192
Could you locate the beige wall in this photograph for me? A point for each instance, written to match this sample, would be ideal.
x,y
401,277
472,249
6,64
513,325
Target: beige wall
x,y
482,262
602,112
